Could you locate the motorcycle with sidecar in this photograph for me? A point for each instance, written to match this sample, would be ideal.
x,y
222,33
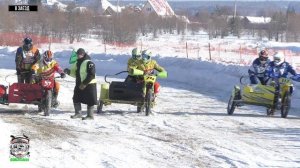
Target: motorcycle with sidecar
x,y
39,93
263,95
140,94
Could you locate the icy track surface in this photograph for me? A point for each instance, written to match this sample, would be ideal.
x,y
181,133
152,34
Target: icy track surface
x,y
189,128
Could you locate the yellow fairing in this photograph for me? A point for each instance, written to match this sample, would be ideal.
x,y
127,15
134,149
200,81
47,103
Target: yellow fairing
x,y
258,94
104,91
285,85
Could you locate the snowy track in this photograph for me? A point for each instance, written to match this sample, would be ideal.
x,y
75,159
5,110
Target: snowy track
x,y
180,134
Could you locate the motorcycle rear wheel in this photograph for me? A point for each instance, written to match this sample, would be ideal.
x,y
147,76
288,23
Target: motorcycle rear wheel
x,y
231,105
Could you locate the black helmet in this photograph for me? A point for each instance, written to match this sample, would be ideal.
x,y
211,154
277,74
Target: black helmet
x,y
27,44
80,51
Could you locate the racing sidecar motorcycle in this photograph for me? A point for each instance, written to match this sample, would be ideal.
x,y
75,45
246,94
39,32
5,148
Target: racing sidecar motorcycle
x,y
140,94
39,93
263,95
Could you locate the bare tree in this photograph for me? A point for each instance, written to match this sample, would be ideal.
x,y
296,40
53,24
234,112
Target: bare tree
x,y
7,19
293,28
278,25
235,24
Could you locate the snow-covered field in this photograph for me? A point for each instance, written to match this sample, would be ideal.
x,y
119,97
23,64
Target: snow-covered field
x,y
190,126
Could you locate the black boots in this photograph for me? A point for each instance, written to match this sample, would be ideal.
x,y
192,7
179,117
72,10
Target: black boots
x,y
90,113
77,107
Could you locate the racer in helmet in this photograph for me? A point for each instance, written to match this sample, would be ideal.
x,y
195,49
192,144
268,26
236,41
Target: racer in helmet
x,y
132,63
46,68
278,68
258,68
26,56
149,65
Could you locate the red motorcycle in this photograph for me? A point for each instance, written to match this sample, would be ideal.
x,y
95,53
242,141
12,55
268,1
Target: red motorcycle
x,y
39,93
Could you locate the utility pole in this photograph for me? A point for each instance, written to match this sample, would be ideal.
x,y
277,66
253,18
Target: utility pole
x,y
234,15
234,27
118,7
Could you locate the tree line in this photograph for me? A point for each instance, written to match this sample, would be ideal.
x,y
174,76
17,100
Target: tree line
x,y
125,27
73,24
284,25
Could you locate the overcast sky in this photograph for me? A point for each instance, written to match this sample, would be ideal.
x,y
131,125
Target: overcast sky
x,y
236,0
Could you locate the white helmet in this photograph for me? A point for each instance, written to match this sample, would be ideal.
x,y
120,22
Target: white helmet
x,y
146,56
278,58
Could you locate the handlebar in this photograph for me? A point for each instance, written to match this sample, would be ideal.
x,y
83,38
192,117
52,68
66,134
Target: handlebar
x,y
242,77
113,75
296,78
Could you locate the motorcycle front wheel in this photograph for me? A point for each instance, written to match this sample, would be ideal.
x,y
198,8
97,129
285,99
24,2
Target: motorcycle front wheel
x,y
286,104
148,101
48,102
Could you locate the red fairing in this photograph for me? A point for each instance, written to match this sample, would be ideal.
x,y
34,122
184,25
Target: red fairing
x,y
48,83
2,91
24,93
156,87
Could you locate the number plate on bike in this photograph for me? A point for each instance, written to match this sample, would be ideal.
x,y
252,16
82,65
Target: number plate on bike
x,y
285,81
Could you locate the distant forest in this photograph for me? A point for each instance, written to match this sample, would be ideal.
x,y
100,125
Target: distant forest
x,y
216,18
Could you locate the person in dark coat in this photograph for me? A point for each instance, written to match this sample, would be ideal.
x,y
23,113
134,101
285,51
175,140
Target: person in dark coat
x,y
26,56
85,90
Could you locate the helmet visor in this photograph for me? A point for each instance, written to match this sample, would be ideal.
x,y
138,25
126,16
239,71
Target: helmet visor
x,y
47,59
277,60
261,58
137,56
27,47
145,57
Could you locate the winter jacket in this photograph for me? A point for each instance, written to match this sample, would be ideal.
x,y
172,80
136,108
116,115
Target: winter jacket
x,y
47,70
84,71
281,70
133,63
150,67
258,69
24,60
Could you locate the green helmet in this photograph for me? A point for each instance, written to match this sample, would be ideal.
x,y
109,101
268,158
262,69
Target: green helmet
x,y
146,55
136,54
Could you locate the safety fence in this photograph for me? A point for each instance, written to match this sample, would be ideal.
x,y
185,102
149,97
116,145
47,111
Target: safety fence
x,y
16,39
226,52
229,52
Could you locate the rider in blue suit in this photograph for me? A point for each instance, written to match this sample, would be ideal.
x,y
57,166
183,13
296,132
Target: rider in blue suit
x,y
257,71
278,68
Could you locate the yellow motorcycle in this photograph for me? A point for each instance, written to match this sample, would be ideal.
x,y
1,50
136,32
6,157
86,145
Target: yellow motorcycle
x,y
140,94
263,95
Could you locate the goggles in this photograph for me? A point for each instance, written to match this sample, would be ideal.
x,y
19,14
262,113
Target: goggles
x,y
277,59
263,58
47,59
145,57
27,47
137,56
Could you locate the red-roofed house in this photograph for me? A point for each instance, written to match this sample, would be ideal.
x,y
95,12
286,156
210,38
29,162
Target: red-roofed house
x,y
160,7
